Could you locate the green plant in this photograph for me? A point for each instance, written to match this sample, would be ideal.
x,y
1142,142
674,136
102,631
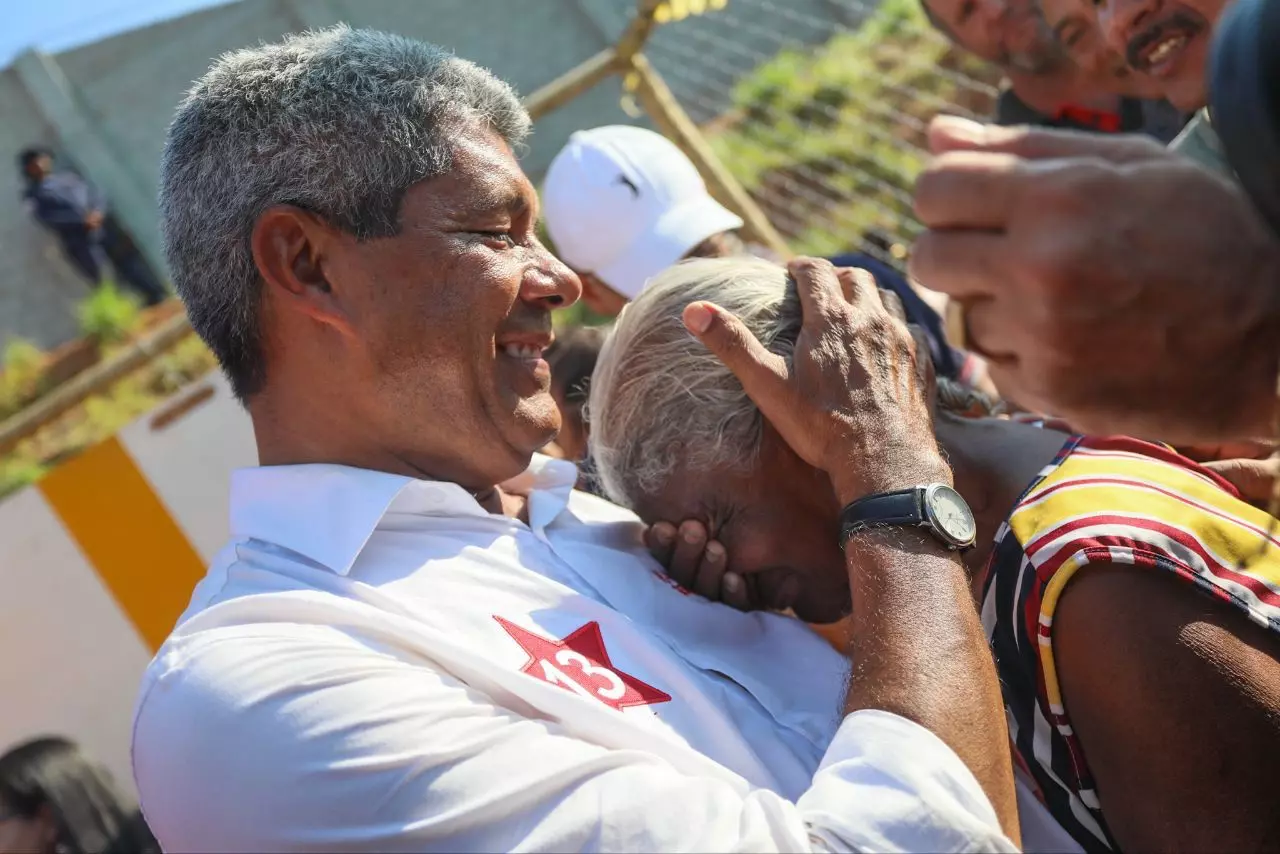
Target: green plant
x,y
109,315
24,365
828,139
23,357
17,472
24,362
189,360
105,413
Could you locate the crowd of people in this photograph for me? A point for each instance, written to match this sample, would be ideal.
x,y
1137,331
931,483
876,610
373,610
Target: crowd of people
x,y
766,562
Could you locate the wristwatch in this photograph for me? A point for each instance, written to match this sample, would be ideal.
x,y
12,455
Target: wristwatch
x,y
937,508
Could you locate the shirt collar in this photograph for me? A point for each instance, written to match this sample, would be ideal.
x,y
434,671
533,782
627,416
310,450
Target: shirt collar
x,y
548,483
326,513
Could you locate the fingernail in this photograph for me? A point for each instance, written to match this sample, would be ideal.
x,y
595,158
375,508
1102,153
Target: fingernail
x,y
731,582
698,317
691,535
958,127
664,533
715,551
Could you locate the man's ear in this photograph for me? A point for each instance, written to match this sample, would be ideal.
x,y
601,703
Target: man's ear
x,y
289,249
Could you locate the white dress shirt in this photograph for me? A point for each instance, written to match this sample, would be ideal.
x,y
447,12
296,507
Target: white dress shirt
x,y
376,663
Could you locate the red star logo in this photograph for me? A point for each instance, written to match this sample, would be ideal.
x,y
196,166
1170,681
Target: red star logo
x,y
581,664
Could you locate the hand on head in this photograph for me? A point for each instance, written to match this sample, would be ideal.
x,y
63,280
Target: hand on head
x,y
852,402
690,553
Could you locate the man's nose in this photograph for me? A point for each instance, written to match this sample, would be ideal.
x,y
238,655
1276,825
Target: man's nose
x,y
552,283
1119,20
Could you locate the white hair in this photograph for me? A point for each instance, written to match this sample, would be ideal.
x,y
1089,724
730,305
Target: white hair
x,y
660,401
339,122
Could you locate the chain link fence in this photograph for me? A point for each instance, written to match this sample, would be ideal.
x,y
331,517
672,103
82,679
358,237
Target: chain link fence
x,y
819,109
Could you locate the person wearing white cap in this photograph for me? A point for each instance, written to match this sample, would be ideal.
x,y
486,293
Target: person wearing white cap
x,y
621,205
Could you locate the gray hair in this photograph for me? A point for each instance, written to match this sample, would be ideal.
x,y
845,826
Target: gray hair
x,y
660,400
339,122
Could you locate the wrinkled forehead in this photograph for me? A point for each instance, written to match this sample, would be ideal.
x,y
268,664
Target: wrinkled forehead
x,y
485,177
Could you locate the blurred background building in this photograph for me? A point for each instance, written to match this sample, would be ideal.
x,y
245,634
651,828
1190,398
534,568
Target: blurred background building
x,y
785,89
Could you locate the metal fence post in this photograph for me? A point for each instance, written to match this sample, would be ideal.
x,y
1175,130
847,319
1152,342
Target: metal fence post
x,y
661,105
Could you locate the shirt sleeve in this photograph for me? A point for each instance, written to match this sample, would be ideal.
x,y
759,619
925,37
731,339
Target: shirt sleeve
x,y
320,742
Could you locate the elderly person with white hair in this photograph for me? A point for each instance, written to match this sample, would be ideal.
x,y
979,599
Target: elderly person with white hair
x,y
420,637
1132,600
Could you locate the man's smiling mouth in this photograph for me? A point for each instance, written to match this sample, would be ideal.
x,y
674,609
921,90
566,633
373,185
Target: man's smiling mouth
x,y
1156,50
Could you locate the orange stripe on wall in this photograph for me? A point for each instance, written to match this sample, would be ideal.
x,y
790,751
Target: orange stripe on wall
x,y
127,534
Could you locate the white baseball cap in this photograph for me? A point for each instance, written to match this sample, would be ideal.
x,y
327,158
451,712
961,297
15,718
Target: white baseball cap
x,y
625,203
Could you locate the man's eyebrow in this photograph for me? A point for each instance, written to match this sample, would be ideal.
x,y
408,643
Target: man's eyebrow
x,y
495,201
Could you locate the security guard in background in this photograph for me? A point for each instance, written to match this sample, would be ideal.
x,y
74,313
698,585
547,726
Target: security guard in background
x,y
76,211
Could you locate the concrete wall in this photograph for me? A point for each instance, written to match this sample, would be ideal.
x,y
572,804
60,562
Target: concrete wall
x,y
98,560
106,105
38,290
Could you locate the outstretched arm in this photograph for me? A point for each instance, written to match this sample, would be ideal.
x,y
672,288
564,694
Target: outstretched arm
x,y
853,402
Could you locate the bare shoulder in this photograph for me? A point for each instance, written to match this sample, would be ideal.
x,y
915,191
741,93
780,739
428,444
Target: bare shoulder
x,y
1175,699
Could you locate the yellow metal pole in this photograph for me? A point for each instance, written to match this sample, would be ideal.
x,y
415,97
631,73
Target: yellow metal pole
x,y
637,33
661,105
572,83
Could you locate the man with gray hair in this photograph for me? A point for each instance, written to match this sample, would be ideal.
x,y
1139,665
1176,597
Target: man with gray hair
x,y
420,637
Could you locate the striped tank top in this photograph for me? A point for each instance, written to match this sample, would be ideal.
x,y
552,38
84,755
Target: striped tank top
x,y
1117,501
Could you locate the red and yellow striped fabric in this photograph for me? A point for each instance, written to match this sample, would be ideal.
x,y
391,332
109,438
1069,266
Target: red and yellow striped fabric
x,y
1114,501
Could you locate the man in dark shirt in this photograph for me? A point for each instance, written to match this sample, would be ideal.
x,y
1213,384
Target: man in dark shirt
x,y
77,212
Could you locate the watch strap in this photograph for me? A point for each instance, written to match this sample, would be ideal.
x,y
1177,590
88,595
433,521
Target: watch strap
x,y
883,509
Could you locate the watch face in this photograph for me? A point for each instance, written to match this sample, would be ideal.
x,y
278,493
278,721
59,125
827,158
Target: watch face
x,y
951,514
